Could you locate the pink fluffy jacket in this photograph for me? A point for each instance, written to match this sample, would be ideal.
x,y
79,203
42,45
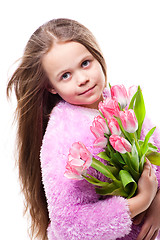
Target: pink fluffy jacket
x,y
75,210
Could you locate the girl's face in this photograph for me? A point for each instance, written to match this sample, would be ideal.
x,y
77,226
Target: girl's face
x,y
74,74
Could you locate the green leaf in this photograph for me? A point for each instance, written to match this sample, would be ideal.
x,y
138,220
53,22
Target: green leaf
x,y
104,156
139,110
117,156
154,158
93,178
112,189
140,142
108,127
133,172
135,158
141,164
152,147
131,105
144,146
99,166
126,134
128,182
110,148
95,181
107,190
116,160
114,170
120,106
101,114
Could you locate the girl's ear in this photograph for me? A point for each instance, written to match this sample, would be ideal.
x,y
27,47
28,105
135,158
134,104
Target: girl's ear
x,y
52,90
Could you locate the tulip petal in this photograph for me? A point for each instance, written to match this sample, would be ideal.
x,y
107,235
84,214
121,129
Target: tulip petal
x,y
129,121
72,175
79,160
119,93
100,142
120,144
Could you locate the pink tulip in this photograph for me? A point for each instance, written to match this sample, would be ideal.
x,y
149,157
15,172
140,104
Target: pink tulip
x,y
119,93
131,91
114,126
129,120
109,108
79,160
120,144
99,127
100,142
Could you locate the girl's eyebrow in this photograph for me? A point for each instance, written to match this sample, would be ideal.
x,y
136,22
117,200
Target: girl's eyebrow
x,y
62,72
86,56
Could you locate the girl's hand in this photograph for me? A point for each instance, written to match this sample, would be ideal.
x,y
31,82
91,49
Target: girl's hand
x,y
147,184
147,188
151,217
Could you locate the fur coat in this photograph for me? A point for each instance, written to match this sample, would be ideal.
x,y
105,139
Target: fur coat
x,y
75,210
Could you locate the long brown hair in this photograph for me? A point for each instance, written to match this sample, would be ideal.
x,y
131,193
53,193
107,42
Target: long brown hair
x,y
34,104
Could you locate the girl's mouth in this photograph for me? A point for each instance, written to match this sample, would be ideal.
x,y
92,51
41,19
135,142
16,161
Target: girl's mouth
x,y
88,90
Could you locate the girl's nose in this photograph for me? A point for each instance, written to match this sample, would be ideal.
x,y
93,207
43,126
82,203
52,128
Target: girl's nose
x,y
82,79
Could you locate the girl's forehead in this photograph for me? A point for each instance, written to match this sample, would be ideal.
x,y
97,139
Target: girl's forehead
x,y
66,49
63,55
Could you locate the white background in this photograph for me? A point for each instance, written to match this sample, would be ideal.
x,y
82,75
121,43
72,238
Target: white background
x,y
128,33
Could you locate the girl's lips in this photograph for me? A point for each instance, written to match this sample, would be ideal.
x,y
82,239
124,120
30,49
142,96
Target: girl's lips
x,y
88,90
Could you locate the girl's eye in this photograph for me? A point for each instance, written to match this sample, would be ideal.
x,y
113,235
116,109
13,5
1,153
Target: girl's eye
x,y
85,63
66,75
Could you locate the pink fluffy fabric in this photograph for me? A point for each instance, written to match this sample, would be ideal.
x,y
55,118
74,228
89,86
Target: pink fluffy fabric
x,y
75,210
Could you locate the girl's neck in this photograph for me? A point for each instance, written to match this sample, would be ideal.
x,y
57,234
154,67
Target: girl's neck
x,y
95,104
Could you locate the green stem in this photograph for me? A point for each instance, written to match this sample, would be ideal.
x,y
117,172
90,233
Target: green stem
x,y
128,154
133,172
137,144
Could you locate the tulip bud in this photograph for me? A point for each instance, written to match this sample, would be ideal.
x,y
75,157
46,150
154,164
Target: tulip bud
x,y
114,126
131,91
100,142
99,127
129,120
119,93
79,160
120,144
109,108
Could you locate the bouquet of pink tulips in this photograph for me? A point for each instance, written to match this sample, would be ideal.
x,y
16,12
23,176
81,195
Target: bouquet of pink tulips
x,y
117,130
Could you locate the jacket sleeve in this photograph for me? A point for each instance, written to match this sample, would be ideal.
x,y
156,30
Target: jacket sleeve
x,y
75,210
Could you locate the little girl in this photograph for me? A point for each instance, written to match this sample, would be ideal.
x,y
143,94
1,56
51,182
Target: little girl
x,y
58,85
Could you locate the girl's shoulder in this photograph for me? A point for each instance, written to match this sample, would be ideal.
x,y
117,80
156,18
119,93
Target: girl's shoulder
x,y
64,110
69,123
67,117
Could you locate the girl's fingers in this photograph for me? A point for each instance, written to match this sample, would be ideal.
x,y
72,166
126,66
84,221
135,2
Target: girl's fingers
x,y
147,233
155,235
144,231
147,167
